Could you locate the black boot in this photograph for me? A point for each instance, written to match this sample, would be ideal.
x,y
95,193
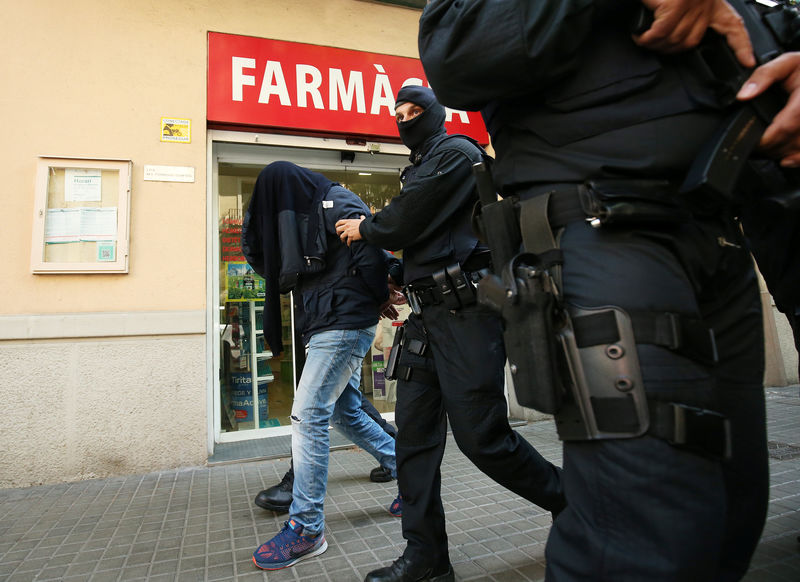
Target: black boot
x,y
380,474
278,498
402,570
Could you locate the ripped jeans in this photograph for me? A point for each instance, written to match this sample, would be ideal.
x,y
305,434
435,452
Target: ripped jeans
x,y
328,394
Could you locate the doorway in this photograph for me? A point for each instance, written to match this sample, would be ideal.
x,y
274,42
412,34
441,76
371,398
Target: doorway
x,y
253,388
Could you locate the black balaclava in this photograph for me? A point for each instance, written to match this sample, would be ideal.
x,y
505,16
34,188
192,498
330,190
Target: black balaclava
x,y
425,125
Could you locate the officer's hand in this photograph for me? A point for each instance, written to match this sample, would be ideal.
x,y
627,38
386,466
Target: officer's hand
x,y
388,309
396,297
782,137
679,25
347,229
389,312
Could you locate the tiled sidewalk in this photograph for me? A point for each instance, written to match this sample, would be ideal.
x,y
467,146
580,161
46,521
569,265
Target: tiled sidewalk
x,y
200,524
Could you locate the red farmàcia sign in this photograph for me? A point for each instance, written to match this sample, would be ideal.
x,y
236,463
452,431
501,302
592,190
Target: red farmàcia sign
x,y
258,82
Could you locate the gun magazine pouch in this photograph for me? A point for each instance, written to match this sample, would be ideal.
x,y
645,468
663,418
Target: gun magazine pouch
x,y
390,373
395,370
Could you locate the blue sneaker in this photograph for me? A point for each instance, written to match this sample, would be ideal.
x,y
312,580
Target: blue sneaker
x,y
289,547
396,508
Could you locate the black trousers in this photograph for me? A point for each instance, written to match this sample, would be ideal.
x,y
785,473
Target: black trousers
x,y
641,509
464,382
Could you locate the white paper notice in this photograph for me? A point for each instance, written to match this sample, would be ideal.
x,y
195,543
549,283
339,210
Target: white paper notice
x,y
169,173
98,224
82,185
62,225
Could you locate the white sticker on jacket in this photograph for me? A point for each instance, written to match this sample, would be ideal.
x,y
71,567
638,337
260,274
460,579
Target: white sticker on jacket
x,y
327,203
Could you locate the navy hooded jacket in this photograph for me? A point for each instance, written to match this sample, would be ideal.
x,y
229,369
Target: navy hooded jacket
x,y
289,238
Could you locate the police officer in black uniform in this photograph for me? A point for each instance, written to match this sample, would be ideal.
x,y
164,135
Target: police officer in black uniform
x,y
452,358
588,115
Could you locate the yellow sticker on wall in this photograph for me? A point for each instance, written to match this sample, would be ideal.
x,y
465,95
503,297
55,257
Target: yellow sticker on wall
x,y
176,130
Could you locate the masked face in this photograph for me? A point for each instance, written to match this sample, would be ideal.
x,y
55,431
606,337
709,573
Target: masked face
x,y
416,124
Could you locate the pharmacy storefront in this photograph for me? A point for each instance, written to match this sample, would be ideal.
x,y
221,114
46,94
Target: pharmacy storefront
x,y
129,322
327,109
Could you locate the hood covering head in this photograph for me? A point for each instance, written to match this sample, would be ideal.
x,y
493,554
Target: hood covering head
x,y
272,241
280,178
425,125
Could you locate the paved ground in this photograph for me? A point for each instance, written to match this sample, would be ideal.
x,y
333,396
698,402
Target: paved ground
x,y
200,524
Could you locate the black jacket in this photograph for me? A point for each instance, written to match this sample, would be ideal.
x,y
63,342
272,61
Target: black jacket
x,y
568,95
430,218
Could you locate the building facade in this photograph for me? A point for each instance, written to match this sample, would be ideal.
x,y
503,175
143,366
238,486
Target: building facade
x,y
130,325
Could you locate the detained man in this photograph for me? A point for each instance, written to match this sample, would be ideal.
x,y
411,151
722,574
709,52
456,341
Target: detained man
x,y
343,290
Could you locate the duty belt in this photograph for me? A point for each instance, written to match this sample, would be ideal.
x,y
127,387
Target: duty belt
x,y
449,286
609,201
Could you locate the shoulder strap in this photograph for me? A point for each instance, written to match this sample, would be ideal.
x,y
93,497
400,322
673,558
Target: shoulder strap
x,y
457,143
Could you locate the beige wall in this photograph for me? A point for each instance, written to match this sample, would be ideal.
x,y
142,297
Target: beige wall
x,y
93,79
106,374
81,409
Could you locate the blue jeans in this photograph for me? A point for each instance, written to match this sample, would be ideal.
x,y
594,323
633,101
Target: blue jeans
x,y
328,395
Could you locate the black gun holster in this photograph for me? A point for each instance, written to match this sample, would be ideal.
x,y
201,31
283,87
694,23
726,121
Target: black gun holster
x,y
581,364
526,295
527,299
551,371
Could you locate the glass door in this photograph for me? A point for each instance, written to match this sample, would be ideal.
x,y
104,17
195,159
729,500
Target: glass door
x,y
255,388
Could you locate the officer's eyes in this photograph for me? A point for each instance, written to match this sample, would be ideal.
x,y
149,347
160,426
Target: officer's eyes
x,y
410,115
